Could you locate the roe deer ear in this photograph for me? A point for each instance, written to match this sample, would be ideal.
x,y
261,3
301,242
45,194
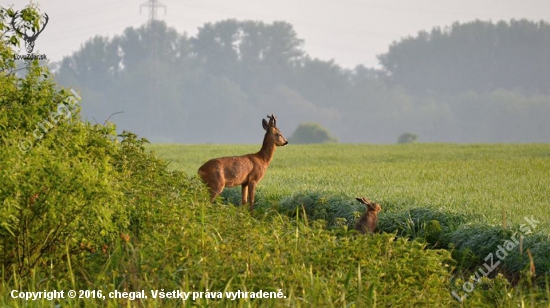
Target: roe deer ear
x,y
364,200
264,124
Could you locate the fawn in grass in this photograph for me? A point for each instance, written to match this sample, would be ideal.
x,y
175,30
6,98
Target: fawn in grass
x,y
368,221
246,170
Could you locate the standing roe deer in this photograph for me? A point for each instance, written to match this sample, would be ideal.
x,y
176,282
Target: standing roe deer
x,y
368,221
246,170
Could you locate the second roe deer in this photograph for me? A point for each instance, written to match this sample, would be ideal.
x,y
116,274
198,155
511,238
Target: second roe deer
x,y
246,170
368,221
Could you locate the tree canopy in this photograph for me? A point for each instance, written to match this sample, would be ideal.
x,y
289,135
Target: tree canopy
x,y
473,82
477,56
312,133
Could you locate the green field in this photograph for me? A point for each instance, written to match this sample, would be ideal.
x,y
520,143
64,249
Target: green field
x,y
487,182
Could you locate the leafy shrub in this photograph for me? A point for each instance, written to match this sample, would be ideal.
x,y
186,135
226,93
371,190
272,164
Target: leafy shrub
x,y
312,133
407,138
61,194
74,191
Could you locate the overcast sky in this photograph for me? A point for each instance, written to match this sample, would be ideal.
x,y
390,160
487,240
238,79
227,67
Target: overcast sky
x,y
350,32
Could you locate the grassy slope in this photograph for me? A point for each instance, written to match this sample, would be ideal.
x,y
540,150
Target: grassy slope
x,y
483,180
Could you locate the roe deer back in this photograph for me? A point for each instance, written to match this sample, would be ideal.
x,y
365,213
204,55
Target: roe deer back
x,y
368,221
246,170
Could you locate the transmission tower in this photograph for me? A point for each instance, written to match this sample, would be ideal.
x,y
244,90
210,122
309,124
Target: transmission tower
x,y
153,5
157,75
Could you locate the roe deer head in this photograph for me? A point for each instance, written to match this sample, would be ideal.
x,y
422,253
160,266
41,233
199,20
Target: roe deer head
x,y
368,221
246,170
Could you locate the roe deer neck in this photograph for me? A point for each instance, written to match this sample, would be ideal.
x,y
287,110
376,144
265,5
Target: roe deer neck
x,y
267,150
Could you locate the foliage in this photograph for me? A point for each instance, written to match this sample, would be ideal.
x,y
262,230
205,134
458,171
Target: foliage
x,y
312,133
470,244
335,210
56,172
473,244
179,88
407,138
434,226
475,56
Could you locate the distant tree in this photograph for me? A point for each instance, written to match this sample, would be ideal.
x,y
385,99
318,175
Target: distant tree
x,y
253,54
322,82
312,133
476,56
474,82
407,138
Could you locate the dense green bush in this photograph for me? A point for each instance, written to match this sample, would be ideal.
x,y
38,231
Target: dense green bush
x,y
312,133
58,184
407,138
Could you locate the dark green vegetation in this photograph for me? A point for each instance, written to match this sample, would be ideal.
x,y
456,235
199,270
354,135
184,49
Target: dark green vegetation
x,y
407,138
472,82
311,133
475,56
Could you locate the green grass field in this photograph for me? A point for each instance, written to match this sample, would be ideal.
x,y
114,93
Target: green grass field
x,y
487,182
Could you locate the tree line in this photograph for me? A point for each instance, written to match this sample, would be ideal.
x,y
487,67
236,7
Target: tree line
x,y
471,82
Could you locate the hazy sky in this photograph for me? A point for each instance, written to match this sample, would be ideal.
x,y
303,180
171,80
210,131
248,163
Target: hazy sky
x,y
350,32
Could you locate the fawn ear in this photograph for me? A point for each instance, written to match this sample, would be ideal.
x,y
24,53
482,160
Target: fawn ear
x,y
363,200
264,124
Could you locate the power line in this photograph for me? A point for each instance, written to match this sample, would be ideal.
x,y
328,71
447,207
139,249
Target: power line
x,y
154,79
153,5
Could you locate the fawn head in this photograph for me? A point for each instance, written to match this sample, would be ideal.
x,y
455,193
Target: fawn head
x,y
371,206
273,132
